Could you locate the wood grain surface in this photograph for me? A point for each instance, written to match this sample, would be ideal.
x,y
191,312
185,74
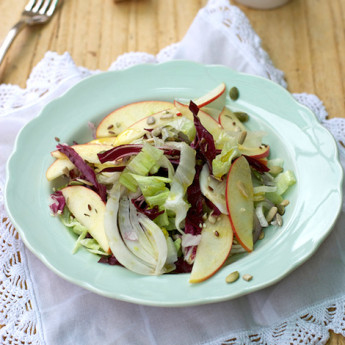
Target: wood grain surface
x,y
305,39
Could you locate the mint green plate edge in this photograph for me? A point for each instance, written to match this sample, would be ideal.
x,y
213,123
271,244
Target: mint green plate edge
x,y
176,290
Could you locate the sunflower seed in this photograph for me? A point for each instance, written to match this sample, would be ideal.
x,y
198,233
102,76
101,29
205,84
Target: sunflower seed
x,y
271,213
151,120
285,202
242,188
242,137
167,116
247,277
281,209
279,219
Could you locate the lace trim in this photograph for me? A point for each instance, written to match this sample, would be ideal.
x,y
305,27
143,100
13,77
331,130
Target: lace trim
x,y
18,308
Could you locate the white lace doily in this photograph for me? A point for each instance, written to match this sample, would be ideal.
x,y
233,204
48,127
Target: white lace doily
x,y
19,314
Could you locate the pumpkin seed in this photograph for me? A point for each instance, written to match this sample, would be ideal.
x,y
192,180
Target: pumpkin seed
x,y
242,116
234,93
232,277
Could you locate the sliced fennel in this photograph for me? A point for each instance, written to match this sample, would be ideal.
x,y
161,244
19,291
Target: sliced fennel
x,y
117,246
213,189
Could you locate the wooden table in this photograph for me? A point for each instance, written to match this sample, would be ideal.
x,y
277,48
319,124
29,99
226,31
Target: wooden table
x,y
305,39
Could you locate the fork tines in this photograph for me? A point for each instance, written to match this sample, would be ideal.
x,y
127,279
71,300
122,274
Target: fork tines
x,y
44,7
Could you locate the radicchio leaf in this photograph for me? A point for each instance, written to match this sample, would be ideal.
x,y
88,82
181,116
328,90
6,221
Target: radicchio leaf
x,y
195,198
114,169
216,212
142,207
203,142
182,266
110,260
122,151
59,202
119,152
87,172
256,164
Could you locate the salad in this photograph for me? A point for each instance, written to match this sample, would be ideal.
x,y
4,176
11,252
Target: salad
x,y
170,187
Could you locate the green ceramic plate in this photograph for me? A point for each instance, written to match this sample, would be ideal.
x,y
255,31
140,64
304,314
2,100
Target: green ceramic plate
x,y
293,133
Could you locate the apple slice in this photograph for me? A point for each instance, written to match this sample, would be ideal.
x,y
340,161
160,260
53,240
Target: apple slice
x,y
138,129
212,102
86,151
206,120
58,168
89,209
229,121
121,118
239,202
258,152
213,249
211,96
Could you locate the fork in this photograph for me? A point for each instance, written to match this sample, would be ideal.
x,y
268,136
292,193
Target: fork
x,y
35,12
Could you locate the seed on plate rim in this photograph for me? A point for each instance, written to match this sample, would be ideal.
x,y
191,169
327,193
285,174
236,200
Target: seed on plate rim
x,y
232,277
247,277
234,93
241,116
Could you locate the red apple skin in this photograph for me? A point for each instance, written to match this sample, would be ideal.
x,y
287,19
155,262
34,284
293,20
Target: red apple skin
x,y
228,205
255,153
211,124
234,122
101,129
218,91
212,247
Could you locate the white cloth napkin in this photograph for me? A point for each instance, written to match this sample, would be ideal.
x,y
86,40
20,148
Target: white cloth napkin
x,y
299,309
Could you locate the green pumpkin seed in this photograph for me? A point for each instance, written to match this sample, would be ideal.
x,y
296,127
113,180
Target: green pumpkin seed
x,y
234,93
242,116
232,277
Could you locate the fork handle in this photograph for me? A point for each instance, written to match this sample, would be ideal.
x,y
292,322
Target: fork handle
x,y
12,34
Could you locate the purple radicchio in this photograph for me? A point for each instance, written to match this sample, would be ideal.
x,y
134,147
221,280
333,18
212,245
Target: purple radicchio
x,y
203,142
58,204
86,171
